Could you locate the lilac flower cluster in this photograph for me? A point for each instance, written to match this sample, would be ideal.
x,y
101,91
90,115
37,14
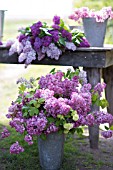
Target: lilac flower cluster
x,y
85,12
42,40
16,148
107,134
60,102
56,83
5,133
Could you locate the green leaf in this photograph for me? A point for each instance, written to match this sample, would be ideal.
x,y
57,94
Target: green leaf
x,y
95,96
107,128
33,102
41,100
61,23
45,30
19,99
22,88
25,109
51,119
62,41
52,71
111,127
43,136
29,95
103,103
25,114
33,111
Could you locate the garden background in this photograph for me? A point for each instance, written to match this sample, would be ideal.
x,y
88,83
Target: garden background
x,y
77,154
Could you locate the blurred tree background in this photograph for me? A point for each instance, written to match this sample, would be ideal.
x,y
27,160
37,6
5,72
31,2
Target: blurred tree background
x,y
97,5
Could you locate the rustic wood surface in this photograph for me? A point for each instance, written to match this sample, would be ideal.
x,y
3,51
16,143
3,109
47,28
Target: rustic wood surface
x,y
86,57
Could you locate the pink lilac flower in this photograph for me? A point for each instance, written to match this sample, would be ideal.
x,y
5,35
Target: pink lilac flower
x,y
107,134
35,125
29,139
90,120
51,128
99,88
16,148
5,133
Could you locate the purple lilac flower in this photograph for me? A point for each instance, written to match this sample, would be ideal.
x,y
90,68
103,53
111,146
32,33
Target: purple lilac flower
x,y
5,133
99,88
55,35
56,20
52,51
35,28
84,43
1,43
16,148
36,125
40,54
51,128
103,117
46,40
29,139
90,120
44,93
107,134
37,43
21,37
54,107
66,34
56,27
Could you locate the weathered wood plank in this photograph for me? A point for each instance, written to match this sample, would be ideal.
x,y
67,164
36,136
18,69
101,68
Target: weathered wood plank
x,y
86,57
93,75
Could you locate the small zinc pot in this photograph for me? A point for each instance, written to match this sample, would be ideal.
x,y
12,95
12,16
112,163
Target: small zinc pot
x,y
94,31
51,151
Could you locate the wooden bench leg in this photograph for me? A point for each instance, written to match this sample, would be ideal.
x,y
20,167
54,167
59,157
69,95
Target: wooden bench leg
x,y
107,74
93,75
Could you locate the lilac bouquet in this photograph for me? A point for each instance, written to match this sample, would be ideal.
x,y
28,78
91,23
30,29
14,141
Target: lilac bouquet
x,y
58,102
85,12
45,41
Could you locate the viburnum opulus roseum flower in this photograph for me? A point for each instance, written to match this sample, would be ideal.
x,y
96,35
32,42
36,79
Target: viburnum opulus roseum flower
x,y
57,102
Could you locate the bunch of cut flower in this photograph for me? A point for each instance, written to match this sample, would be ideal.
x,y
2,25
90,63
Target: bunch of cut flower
x,y
58,102
42,40
85,12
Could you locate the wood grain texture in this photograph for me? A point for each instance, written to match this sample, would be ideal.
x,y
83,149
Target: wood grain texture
x,y
86,57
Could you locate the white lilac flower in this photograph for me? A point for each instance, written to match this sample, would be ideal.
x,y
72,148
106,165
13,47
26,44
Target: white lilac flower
x,y
83,76
70,46
53,51
16,47
22,57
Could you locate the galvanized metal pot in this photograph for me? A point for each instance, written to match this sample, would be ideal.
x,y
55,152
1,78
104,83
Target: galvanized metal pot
x,y
51,151
94,31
